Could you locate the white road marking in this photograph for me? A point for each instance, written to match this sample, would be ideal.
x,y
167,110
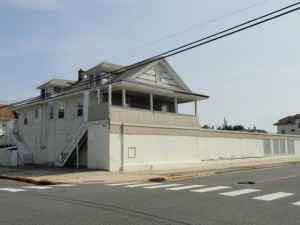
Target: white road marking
x,y
273,196
162,186
63,185
142,185
11,189
119,184
210,189
296,203
239,192
37,187
184,187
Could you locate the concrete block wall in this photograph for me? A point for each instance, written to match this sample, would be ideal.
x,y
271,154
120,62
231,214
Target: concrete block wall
x,y
142,149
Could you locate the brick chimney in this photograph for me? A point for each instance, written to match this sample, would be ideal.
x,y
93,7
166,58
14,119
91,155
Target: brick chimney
x,y
80,75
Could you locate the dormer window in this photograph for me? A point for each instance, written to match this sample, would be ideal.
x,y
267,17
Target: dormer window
x,y
94,80
43,93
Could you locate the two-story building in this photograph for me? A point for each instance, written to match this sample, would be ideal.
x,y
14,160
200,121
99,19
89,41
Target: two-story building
x,y
289,125
81,122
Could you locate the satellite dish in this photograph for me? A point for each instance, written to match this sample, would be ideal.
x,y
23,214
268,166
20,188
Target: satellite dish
x,y
56,88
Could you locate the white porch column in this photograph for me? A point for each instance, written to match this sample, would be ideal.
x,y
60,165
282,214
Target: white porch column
x,y
109,96
175,105
86,102
98,96
123,97
151,102
196,108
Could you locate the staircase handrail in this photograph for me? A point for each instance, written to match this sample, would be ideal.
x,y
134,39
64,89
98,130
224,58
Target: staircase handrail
x,y
76,134
9,134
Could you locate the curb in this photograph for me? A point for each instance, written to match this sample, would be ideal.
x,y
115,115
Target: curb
x,y
28,180
174,177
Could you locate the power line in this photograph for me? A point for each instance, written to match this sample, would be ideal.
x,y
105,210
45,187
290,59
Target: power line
x,y
158,40
181,49
251,75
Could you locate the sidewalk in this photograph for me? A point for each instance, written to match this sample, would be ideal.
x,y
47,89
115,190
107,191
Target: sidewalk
x,y
56,175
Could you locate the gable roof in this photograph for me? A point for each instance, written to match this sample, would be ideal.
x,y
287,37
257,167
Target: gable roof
x,y
6,113
57,82
128,74
105,67
287,120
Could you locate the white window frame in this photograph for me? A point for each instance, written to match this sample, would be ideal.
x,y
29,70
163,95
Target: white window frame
x,y
51,112
61,110
159,75
79,108
36,113
25,118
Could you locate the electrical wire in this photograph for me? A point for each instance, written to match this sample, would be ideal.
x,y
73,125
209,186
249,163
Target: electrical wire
x,y
178,50
158,40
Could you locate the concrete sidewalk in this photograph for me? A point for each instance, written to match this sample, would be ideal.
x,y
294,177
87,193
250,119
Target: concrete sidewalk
x,y
55,175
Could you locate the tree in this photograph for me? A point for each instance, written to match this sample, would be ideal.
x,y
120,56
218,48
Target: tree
x,y
238,127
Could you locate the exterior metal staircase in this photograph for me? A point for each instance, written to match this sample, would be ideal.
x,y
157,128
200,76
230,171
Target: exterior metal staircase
x,y
9,137
72,144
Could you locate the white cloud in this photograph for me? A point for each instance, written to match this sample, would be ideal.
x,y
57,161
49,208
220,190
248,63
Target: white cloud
x,y
33,4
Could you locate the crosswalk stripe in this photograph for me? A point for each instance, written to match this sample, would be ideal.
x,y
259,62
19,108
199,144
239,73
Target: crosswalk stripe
x,y
210,189
273,196
239,192
11,189
162,186
120,184
142,185
38,187
63,185
296,203
184,187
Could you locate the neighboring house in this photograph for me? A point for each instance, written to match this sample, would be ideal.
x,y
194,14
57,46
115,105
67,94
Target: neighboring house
x,y
254,130
6,115
289,125
80,122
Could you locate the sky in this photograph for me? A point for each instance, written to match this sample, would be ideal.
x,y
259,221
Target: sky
x,y
251,77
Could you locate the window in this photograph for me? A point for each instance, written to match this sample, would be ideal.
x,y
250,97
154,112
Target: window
x,y
51,116
293,130
91,81
61,110
43,93
94,80
98,81
164,107
36,113
158,75
282,131
25,118
79,109
298,125
128,102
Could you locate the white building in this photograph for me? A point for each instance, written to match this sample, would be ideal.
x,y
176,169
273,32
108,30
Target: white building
x,y
6,115
289,125
126,118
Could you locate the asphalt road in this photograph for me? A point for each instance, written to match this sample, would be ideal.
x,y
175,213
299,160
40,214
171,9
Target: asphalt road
x,y
214,200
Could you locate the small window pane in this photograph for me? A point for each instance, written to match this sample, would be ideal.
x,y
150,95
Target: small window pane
x,y
36,113
79,109
51,112
61,111
97,79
